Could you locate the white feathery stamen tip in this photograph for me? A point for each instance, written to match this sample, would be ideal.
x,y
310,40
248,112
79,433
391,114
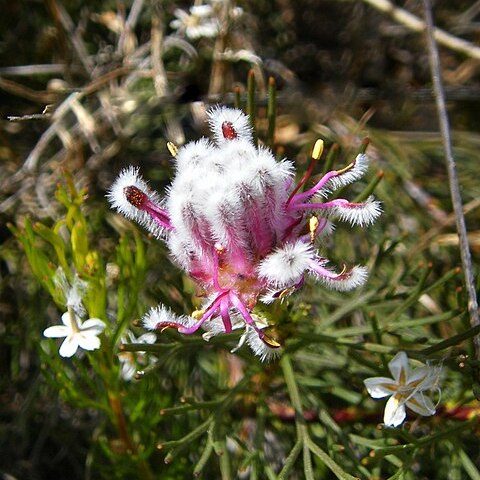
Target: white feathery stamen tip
x,y
229,124
260,347
347,175
128,179
286,265
270,296
346,281
129,193
163,317
362,214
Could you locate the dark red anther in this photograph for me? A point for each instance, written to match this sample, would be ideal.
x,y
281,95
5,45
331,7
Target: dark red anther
x,y
228,131
164,325
135,196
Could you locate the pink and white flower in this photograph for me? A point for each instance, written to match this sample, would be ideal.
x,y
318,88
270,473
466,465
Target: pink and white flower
x,y
235,221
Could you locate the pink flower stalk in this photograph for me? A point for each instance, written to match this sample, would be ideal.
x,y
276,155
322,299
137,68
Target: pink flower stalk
x,y
236,223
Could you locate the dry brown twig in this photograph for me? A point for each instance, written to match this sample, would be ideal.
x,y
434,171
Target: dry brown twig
x,y
452,176
425,240
415,24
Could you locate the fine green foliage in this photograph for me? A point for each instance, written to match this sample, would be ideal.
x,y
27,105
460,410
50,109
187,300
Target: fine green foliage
x,y
186,411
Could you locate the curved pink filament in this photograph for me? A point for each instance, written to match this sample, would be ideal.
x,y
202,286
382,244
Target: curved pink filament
x,y
312,191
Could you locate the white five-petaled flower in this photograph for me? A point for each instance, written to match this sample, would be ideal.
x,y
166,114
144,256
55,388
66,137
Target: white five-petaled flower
x,y
128,360
406,389
77,334
199,22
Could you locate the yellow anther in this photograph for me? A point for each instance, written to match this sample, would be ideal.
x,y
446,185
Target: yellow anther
x,y
285,293
317,149
271,342
197,314
344,269
346,169
172,148
313,225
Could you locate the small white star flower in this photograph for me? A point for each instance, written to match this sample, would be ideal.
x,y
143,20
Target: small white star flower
x,y
128,360
199,22
405,389
77,334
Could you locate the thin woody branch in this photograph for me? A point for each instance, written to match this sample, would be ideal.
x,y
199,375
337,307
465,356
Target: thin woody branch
x,y
452,174
415,24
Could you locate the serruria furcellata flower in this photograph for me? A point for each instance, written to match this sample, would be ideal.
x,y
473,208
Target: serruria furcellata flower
x,y
77,334
235,221
406,389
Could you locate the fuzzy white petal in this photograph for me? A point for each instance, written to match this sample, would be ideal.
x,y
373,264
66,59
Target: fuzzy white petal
x,y
260,348
224,215
218,116
270,296
163,315
130,177
266,173
236,156
353,174
356,277
362,214
194,156
286,265
180,250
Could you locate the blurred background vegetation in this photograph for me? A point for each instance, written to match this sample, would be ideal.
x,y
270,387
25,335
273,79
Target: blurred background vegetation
x,y
101,85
